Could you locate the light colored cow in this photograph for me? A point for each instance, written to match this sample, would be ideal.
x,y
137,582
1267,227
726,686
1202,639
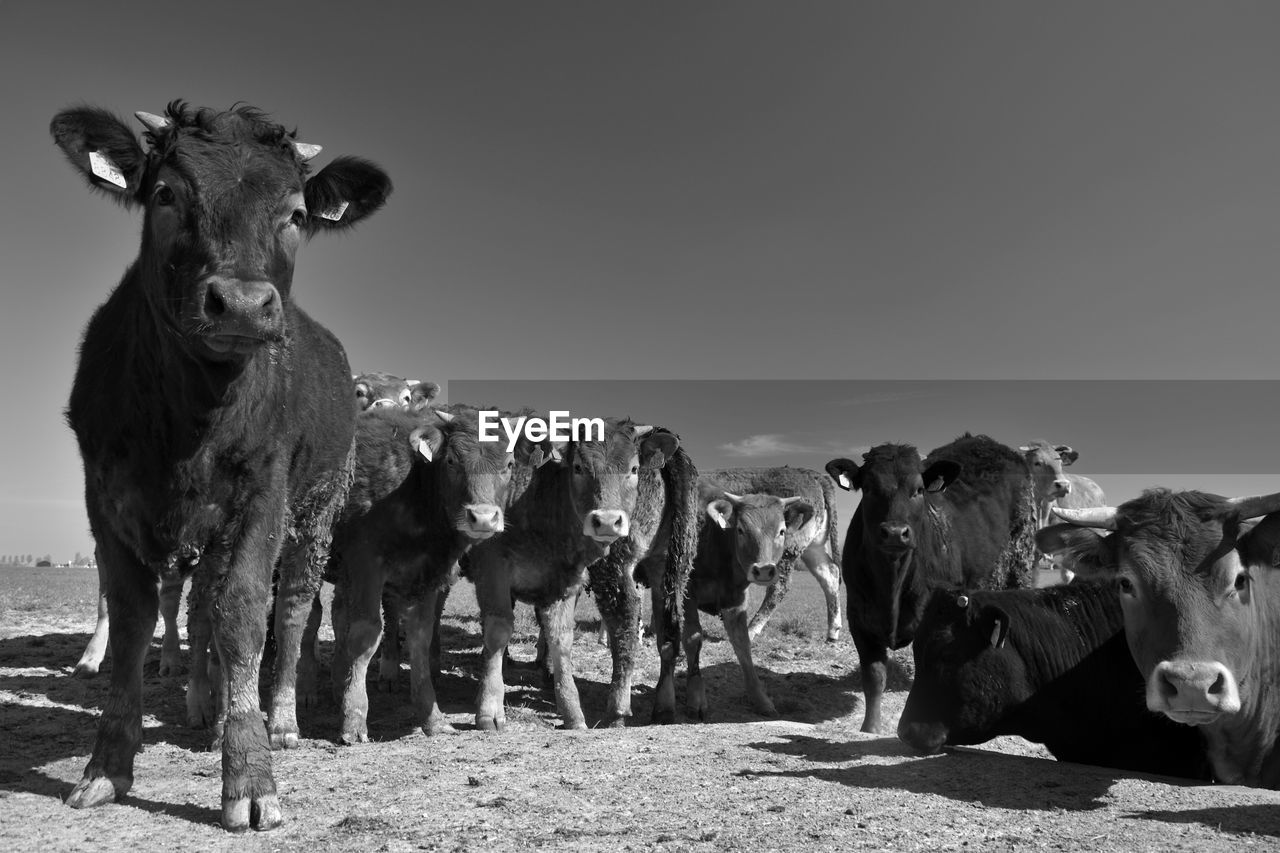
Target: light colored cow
x,y
1055,487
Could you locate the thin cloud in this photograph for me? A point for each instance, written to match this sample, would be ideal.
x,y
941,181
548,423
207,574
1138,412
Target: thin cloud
x,y
777,444
874,397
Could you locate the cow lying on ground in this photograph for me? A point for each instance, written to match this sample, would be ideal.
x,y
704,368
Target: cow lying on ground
x,y
814,544
1050,665
962,518
620,508
1201,599
206,447
741,543
425,490
1055,487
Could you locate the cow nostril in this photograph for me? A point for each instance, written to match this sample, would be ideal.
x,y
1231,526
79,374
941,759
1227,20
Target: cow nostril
x,y
1219,684
617,524
472,518
214,304
1167,688
595,521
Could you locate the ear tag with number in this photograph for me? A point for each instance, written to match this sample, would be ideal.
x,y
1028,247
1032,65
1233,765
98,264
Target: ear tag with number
x,y
333,214
105,169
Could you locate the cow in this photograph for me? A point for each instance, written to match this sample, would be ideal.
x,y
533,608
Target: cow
x,y
965,516
214,418
170,650
816,544
425,490
1201,602
375,390
1049,665
613,508
1055,487
742,541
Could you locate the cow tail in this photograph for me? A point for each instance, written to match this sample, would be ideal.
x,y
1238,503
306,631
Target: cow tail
x,y
681,479
833,522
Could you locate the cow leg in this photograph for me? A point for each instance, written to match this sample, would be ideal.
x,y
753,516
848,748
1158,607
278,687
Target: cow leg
x,y
201,713
311,634
666,631
422,620
816,559
772,597
389,660
556,621
171,648
363,630
94,653
131,595
695,692
497,620
619,604
735,626
873,661
435,655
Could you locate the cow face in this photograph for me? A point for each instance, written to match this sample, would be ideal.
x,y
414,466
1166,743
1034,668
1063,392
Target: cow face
x,y
381,390
894,490
1193,584
759,526
226,202
605,475
966,677
473,477
1046,462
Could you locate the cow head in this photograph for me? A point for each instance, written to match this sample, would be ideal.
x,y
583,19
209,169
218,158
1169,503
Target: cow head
x,y
894,490
1046,462
966,679
379,390
226,199
758,525
604,476
1193,579
473,477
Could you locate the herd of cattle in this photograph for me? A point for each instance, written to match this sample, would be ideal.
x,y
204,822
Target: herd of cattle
x,y
221,443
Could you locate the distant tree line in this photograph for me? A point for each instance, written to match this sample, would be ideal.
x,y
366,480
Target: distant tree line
x,y
32,560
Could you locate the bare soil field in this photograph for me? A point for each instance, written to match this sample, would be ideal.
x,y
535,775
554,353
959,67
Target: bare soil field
x,y
808,780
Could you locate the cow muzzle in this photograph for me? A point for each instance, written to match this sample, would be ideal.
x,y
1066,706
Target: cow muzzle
x,y
1193,692
896,536
480,521
606,525
237,316
1061,488
763,573
927,738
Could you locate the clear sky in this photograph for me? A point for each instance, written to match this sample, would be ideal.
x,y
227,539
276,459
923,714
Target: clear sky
x,y
713,190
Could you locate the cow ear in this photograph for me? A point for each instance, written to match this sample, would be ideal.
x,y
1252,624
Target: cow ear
x,y
103,149
1084,550
343,193
994,623
656,447
940,475
797,512
421,394
1066,454
845,472
535,454
1261,545
364,395
426,443
720,511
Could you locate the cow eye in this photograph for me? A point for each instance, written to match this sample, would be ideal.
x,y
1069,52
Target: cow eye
x,y
1126,586
1242,582
577,469
918,492
299,218
163,196
782,531
635,469
511,464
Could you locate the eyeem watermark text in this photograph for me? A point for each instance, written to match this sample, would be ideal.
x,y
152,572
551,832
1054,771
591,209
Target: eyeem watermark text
x,y
559,427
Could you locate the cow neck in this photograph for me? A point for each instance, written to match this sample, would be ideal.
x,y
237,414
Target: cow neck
x,y
441,549
544,508
1092,613
1240,746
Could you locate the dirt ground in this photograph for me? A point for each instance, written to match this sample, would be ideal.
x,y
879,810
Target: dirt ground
x,y
807,780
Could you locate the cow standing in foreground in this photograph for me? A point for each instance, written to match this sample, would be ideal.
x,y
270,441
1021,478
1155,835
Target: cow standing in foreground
x,y
1055,487
426,489
815,544
620,508
964,517
741,542
213,416
1200,594
1050,665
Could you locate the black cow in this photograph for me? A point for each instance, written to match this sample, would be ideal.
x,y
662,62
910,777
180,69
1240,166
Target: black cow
x,y
963,517
1050,665
619,509
214,417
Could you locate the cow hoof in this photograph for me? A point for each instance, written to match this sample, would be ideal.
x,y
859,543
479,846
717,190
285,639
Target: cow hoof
x,y
94,792
575,725
437,727
353,738
284,740
85,670
260,813
490,724
766,708
617,721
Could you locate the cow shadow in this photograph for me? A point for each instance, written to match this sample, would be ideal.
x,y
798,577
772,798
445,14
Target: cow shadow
x,y
799,696
1254,819
965,775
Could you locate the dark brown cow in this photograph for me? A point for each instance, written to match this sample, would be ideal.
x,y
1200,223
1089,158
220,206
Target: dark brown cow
x,y
425,490
963,517
1201,599
207,447
618,509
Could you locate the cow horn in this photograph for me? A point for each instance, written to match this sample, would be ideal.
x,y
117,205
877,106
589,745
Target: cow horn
x,y
153,122
1256,505
642,431
306,150
1094,516
444,416
732,498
